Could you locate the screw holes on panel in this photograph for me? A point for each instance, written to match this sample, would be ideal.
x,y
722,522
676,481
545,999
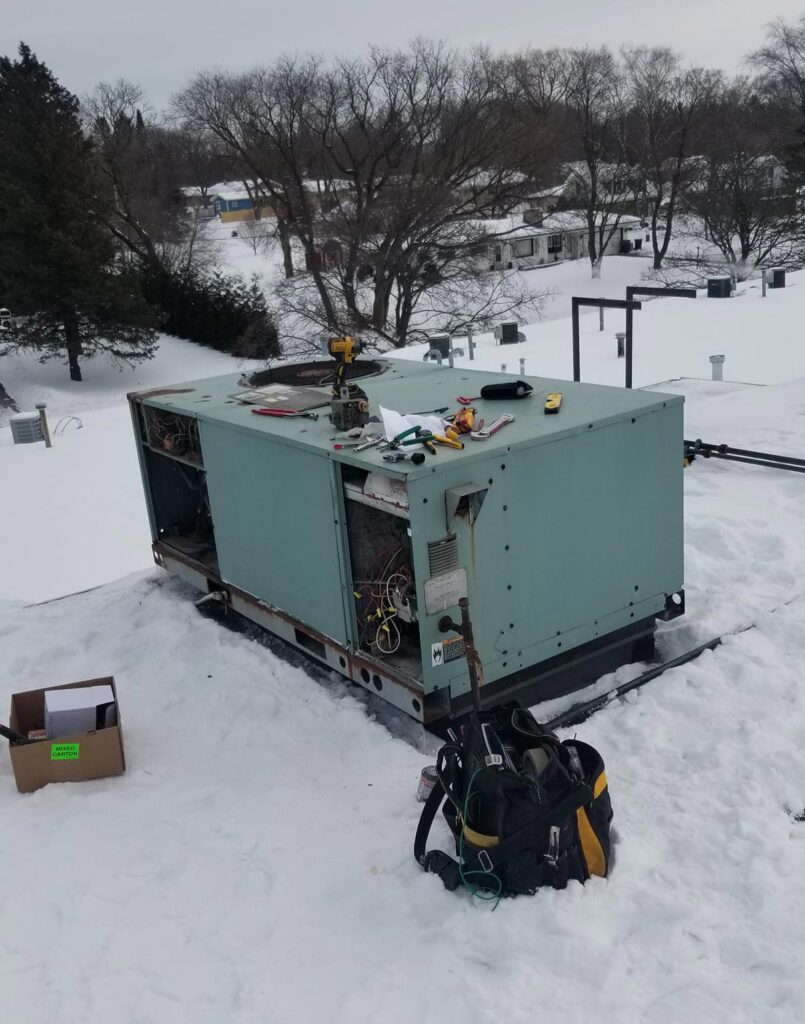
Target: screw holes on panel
x,y
377,682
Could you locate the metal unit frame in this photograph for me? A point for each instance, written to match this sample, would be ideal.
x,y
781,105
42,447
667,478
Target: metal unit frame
x,y
631,291
576,302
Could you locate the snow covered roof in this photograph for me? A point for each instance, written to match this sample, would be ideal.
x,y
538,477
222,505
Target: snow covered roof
x,y
511,227
237,190
222,189
485,176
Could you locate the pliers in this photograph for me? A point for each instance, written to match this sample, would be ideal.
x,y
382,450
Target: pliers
x,y
399,439
464,400
430,439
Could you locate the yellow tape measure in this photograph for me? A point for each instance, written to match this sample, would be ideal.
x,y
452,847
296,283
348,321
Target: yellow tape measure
x,y
553,402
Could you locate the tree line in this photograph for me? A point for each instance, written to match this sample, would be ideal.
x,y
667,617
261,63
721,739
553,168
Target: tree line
x,y
387,176
97,251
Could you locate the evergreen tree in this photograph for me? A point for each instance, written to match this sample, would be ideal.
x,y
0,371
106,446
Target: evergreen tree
x,y
58,265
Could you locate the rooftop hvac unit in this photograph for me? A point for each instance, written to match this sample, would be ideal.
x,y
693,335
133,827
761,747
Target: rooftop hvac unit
x,y
356,560
26,428
507,334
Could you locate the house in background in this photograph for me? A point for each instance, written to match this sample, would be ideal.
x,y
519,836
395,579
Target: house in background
x,y
232,202
553,239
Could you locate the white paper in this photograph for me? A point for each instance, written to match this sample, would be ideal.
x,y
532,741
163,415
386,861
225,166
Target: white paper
x,y
395,423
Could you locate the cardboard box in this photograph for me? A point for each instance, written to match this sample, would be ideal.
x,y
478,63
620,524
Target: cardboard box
x,y
93,754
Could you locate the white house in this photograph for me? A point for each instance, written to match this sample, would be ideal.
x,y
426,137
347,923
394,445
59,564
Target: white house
x,y
558,237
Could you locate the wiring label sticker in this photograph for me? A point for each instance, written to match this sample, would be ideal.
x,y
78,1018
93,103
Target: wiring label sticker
x,y
437,654
443,592
64,751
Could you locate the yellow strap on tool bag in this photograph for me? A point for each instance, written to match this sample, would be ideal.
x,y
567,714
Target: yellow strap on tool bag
x,y
590,844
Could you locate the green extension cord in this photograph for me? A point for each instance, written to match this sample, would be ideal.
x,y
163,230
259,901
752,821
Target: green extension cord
x,y
483,892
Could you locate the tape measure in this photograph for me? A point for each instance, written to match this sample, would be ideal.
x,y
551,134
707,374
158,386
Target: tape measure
x,y
553,402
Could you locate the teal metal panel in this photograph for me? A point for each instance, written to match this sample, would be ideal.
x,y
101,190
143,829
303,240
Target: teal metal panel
x,y
135,422
574,540
275,529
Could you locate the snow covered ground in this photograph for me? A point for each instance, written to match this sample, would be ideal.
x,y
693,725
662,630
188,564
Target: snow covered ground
x,y
73,516
255,863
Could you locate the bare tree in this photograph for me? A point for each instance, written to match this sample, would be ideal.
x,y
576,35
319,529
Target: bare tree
x,y
256,233
780,65
533,84
140,202
601,182
749,210
203,161
371,163
781,61
667,106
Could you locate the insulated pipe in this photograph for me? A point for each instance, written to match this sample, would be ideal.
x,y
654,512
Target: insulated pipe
x,y
581,712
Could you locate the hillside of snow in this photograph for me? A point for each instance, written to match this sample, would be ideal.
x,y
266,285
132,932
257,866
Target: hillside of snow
x,y
255,862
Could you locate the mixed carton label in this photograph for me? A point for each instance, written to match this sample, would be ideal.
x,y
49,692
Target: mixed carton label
x,y
64,751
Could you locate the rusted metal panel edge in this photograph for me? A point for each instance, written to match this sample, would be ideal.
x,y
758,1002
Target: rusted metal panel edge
x,y
358,667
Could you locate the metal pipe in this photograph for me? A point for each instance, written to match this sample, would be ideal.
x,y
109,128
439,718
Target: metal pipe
x,y
600,318
753,462
576,344
219,596
580,300
717,362
41,406
708,449
474,663
629,330
470,344
522,366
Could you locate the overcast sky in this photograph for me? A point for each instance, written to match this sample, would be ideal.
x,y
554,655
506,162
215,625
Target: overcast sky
x,y
161,43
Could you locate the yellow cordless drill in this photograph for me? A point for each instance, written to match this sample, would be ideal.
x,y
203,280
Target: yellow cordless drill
x,y
349,406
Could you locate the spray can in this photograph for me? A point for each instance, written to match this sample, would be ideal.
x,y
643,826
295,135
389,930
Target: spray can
x,y
427,780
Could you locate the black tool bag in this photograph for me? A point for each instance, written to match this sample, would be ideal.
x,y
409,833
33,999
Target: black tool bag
x,y
525,809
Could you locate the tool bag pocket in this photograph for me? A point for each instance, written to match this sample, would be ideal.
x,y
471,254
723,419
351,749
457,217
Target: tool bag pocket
x,y
525,810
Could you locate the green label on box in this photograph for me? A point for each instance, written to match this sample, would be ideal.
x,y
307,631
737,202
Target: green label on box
x,y
64,751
